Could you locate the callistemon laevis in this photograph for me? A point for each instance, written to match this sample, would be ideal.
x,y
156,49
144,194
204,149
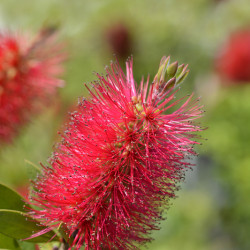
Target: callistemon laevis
x,y
29,70
120,159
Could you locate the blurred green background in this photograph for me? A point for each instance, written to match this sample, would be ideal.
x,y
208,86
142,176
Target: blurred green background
x,y
212,211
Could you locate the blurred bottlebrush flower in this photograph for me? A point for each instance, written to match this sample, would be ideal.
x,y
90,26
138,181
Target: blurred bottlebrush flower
x,y
120,40
29,68
120,159
233,61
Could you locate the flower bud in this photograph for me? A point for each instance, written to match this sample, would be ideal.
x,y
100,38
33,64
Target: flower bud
x,y
168,76
182,77
172,68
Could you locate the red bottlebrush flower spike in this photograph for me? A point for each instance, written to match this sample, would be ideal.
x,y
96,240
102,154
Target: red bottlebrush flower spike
x,y
28,77
233,62
120,160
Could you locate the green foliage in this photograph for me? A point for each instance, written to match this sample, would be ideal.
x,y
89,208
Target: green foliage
x,y
12,220
229,137
19,225
10,199
27,245
8,243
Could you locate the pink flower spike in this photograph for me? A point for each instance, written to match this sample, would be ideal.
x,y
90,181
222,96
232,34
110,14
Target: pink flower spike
x,y
120,160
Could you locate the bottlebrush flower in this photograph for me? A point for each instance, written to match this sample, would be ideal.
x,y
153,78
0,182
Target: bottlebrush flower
x,y
28,77
120,160
233,62
120,40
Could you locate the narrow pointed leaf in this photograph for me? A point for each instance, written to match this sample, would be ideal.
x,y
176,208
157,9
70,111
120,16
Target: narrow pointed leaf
x,y
8,243
32,169
18,225
63,231
9,199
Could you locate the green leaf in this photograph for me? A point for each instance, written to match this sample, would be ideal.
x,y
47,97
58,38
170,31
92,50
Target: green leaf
x,y
64,233
32,169
8,243
50,246
27,245
18,225
9,199
36,167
